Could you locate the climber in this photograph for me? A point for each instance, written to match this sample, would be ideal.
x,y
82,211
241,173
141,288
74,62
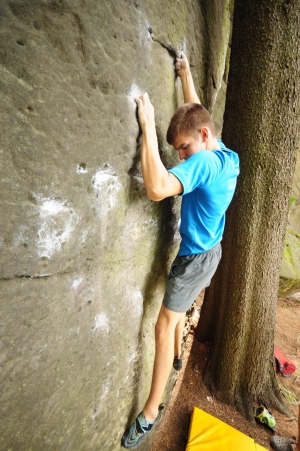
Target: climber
x,y
206,180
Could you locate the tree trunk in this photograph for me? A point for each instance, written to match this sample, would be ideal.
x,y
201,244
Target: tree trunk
x,y
262,124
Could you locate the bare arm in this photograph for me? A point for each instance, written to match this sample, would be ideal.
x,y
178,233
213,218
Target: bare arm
x,y
159,182
183,71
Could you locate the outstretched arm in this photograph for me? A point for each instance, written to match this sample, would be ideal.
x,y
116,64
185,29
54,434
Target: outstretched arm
x,y
159,182
183,71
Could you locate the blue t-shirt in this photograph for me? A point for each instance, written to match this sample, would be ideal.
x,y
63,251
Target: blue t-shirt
x,y
208,178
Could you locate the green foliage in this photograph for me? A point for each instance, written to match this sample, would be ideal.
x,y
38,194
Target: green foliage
x,y
289,395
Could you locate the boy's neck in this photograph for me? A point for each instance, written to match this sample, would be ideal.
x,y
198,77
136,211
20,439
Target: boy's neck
x,y
213,144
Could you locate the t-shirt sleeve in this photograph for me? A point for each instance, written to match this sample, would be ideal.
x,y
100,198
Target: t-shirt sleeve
x,y
199,169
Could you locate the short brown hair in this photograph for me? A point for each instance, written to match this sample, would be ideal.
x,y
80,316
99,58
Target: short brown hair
x,y
188,120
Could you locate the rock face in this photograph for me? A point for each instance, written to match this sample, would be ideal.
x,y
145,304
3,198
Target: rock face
x,y
84,253
290,267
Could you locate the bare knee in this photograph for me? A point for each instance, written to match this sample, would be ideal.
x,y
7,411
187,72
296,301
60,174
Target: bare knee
x,y
163,331
166,325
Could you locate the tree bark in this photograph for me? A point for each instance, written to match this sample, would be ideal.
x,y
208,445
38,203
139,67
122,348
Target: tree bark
x,y
261,123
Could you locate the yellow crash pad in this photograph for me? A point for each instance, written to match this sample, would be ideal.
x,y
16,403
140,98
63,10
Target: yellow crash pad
x,y
259,447
207,433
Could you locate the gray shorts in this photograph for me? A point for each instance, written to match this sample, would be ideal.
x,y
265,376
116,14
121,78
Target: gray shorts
x,y
188,276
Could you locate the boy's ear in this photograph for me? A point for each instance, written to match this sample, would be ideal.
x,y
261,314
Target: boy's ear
x,y
204,133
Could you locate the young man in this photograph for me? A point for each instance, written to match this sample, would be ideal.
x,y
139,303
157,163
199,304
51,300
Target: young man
x,y
206,180
282,444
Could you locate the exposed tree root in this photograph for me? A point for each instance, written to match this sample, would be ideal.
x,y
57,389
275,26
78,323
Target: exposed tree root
x,y
246,403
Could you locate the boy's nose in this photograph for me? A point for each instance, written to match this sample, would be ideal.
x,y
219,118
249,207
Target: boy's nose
x,y
182,154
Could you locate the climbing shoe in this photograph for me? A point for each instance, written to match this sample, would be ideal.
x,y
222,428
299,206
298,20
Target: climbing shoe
x,y
138,431
265,417
177,364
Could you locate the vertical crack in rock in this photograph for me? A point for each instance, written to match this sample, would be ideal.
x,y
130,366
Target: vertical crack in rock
x,y
171,49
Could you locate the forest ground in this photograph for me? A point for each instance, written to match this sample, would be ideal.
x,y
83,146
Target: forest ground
x,y
190,392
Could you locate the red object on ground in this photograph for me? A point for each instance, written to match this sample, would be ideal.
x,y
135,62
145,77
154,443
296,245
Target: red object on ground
x,y
283,364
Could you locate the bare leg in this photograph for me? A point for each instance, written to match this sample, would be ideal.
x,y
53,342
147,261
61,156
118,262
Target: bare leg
x,y
164,341
178,336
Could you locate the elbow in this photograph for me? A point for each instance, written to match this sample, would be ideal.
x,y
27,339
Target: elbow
x,y
154,195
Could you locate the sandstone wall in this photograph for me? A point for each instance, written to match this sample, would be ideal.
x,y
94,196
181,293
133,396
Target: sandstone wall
x,y
84,253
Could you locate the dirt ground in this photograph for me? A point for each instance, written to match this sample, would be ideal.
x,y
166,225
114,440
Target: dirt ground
x,y
189,390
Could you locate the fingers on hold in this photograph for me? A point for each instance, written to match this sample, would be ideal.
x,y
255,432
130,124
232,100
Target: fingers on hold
x,y
140,98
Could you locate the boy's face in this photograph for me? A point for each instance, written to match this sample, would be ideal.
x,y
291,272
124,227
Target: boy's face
x,y
187,145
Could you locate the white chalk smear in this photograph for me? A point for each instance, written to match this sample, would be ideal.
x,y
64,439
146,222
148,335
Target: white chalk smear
x,y
134,355
22,236
101,322
84,235
105,389
52,207
57,222
76,283
81,169
99,404
135,91
107,187
137,303
74,330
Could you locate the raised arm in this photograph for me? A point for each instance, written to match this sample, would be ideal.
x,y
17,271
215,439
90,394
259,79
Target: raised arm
x,y
183,71
158,181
